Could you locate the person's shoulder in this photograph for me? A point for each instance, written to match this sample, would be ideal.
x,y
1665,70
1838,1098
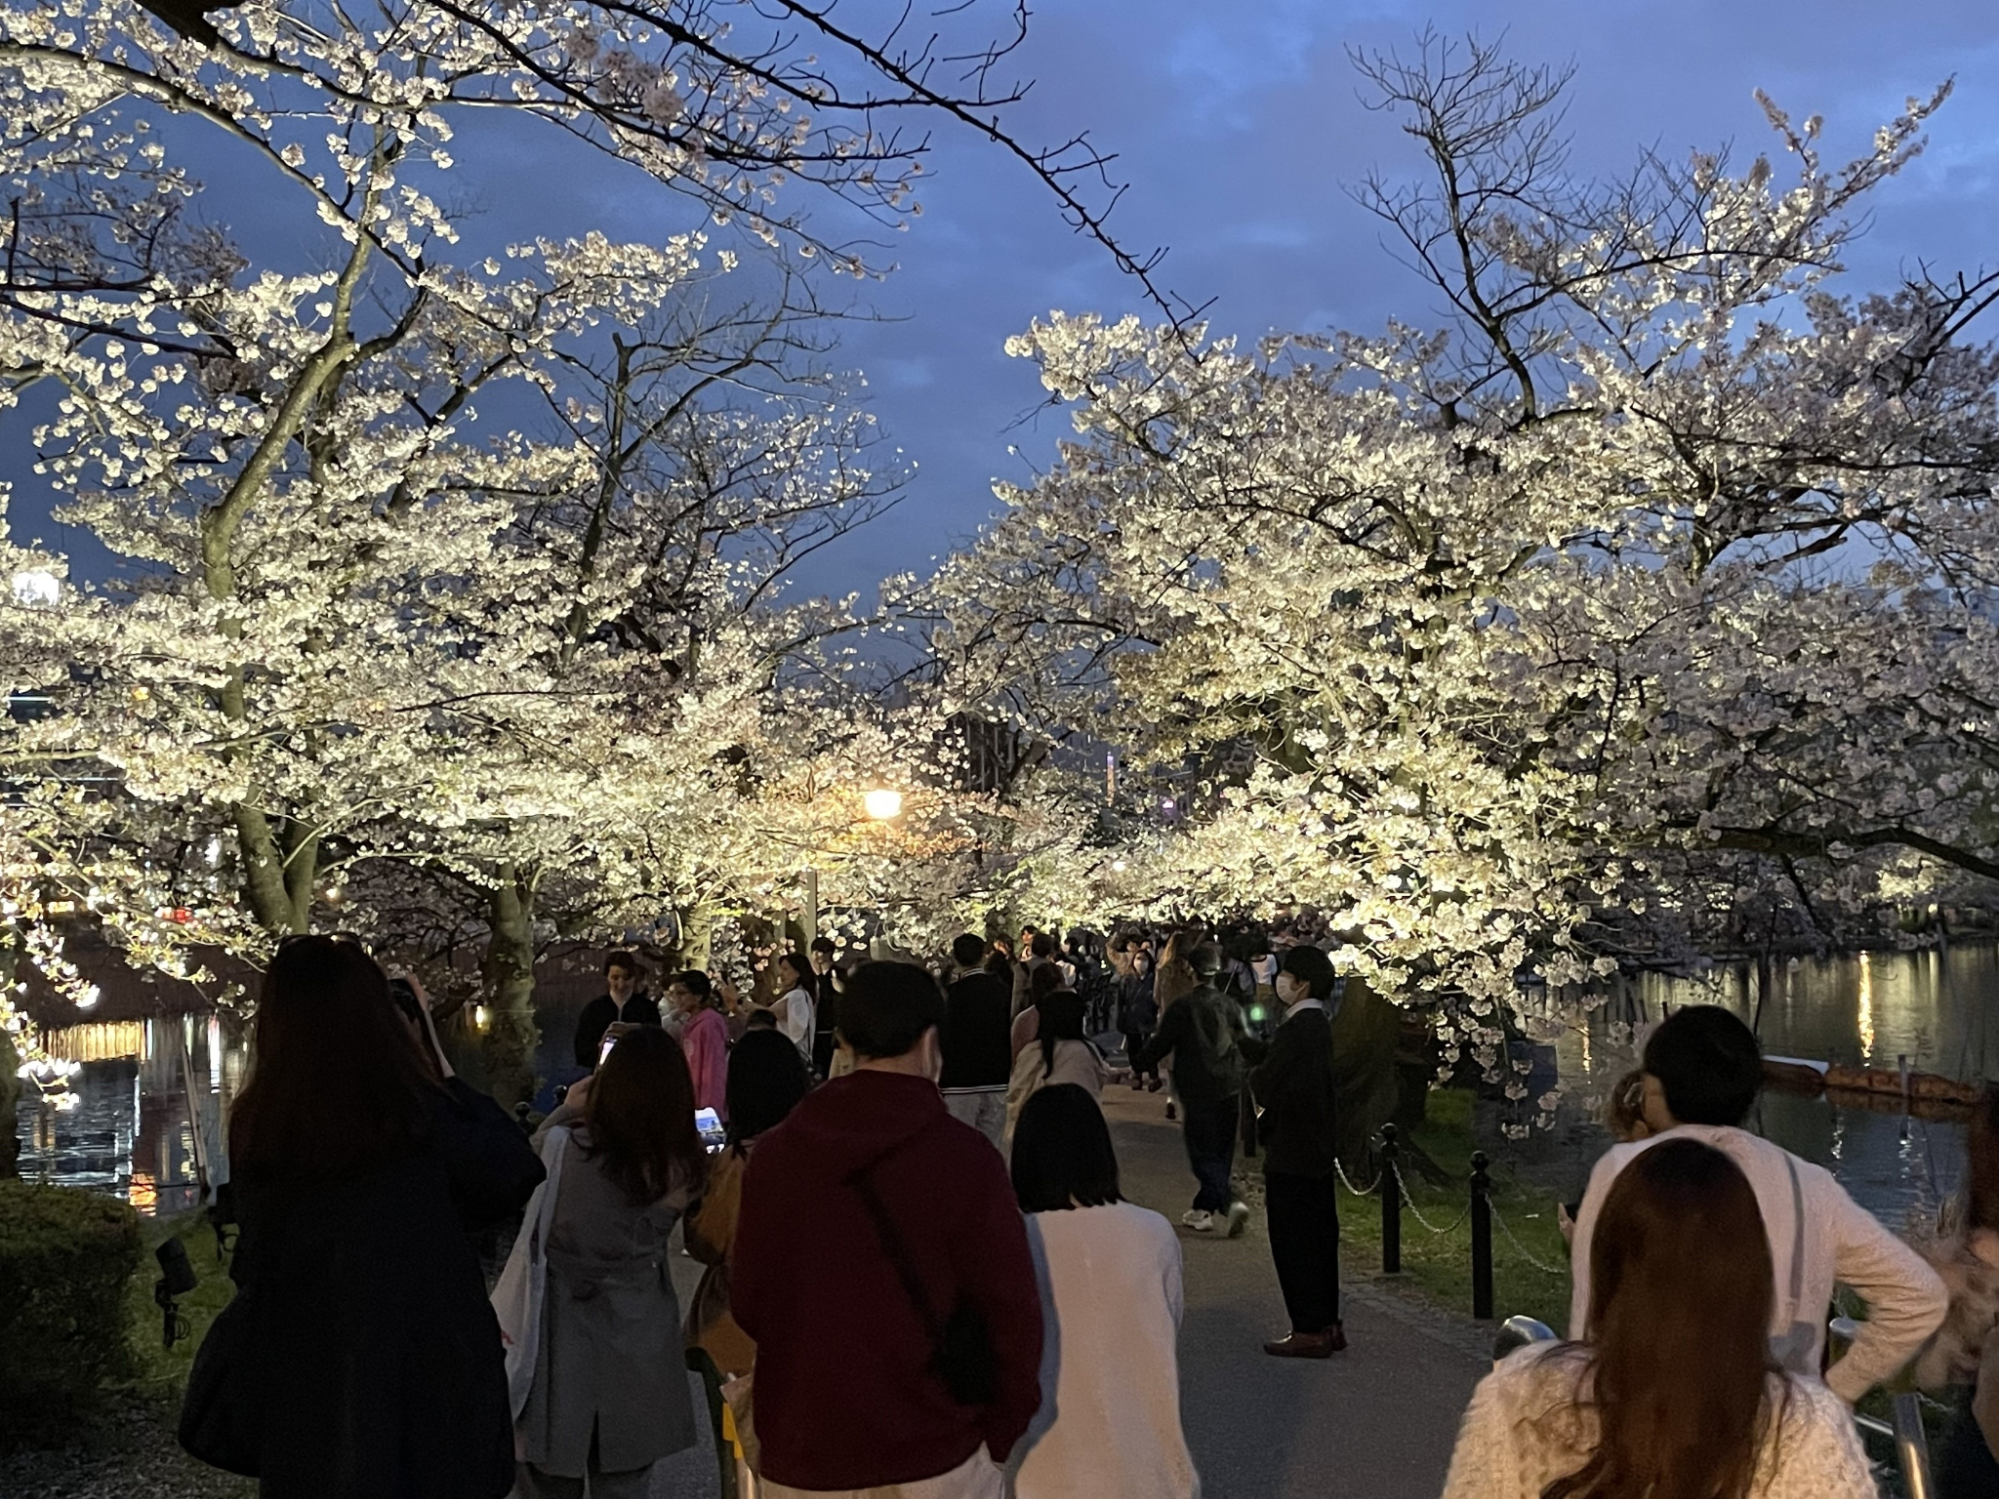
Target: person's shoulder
x,y
1535,1377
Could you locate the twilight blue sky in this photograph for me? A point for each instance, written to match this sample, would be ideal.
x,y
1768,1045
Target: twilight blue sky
x,y
1238,128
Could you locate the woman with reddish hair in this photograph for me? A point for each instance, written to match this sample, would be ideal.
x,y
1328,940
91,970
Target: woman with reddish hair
x,y
1674,1391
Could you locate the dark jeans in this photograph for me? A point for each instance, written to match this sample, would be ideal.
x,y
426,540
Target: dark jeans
x,y
1965,1466
1304,1218
1209,1127
1134,1043
824,1045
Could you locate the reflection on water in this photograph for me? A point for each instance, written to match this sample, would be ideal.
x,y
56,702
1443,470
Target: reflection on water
x,y
1931,1009
130,1133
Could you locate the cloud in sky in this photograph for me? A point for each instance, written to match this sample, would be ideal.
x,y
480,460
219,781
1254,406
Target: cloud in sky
x,y
1239,130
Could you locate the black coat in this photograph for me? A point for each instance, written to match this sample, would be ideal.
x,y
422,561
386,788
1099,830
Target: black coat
x,y
1204,1033
978,1032
378,1361
1293,1086
640,1010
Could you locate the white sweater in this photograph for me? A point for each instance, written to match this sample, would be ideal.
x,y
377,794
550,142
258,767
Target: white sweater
x,y
1844,1244
1524,1430
1111,1298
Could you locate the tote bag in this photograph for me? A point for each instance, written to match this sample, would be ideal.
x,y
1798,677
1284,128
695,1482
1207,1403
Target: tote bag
x,y
523,1285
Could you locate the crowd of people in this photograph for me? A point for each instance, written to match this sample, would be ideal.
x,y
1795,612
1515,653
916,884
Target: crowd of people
x,y
920,1273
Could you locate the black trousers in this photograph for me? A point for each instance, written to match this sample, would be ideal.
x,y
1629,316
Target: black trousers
x,y
1208,1126
1304,1221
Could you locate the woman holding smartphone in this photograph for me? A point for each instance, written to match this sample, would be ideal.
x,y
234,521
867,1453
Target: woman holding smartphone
x,y
610,1395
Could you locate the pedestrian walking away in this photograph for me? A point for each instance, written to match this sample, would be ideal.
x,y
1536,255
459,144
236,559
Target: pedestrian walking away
x,y
1203,1032
609,1397
1059,1054
767,1079
360,1355
977,1051
1111,1301
882,1267
1673,1392
1297,1124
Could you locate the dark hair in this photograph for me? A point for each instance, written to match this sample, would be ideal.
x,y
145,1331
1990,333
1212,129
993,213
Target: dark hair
x,y
1041,945
1062,1152
1313,967
801,966
824,945
640,1117
998,963
337,1083
968,949
767,1078
696,983
1708,1064
1981,1166
887,1007
629,962
760,1019
1061,1020
1205,959
1044,981
1678,1357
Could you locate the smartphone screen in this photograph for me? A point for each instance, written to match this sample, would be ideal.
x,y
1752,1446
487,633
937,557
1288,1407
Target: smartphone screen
x,y
604,1047
709,1124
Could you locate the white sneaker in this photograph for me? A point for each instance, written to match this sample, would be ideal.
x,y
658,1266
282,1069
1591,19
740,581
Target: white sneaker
x,y
1199,1220
1238,1218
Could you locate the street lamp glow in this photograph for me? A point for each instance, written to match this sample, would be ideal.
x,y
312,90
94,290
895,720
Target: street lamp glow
x,y
883,804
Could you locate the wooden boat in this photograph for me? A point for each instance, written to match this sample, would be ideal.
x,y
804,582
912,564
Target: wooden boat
x,y
1799,1075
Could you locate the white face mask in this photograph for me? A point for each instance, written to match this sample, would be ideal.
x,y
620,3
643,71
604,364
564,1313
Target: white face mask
x,y
1289,990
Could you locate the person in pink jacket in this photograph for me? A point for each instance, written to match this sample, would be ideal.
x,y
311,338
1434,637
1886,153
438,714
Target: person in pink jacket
x,y
704,1037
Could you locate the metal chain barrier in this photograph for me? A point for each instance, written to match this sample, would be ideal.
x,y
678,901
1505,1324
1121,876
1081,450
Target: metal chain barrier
x,y
1410,1204
1524,1253
1358,1192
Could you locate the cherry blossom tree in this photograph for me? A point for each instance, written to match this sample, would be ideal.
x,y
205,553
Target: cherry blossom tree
x,y
1656,583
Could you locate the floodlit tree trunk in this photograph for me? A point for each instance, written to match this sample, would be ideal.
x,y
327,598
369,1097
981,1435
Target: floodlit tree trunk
x,y
511,1034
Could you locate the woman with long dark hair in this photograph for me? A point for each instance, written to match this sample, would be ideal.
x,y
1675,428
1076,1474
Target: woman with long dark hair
x,y
610,1391
1137,1014
767,1078
1674,1391
1962,1362
361,1166
1059,1053
1111,1300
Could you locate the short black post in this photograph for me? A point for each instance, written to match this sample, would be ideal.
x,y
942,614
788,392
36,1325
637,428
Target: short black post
x,y
1481,1237
1246,1105
1391,1205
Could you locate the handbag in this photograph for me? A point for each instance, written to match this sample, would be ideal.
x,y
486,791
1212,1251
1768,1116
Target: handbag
x,y
519,1294
221,1415
962,1354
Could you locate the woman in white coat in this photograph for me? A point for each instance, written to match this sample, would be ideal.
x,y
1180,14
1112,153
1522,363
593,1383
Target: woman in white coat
x,y
1109,1273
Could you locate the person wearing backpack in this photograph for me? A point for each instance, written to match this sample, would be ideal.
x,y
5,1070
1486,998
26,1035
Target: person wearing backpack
x,y
882,1267
1203,1033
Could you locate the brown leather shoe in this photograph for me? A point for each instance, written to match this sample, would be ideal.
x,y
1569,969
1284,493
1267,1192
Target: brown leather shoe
x,y
1309,1345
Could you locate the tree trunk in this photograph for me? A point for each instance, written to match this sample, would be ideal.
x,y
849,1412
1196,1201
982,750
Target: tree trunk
x,y
511,1034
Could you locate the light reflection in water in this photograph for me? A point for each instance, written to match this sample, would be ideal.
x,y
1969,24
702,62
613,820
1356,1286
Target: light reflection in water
x,y
1866,1007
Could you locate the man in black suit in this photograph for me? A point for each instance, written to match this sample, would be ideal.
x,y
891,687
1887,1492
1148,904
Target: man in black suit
x,y
1293,1087
976,1042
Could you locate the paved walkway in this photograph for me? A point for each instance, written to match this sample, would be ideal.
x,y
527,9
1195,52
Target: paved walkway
x,y
1376,1420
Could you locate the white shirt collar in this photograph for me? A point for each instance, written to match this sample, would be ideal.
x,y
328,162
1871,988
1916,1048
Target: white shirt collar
x,y
1308,1003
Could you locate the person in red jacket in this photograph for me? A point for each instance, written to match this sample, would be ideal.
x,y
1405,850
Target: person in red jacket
x,y
881,1266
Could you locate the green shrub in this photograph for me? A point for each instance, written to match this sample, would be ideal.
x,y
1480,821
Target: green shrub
x,y
66,1257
